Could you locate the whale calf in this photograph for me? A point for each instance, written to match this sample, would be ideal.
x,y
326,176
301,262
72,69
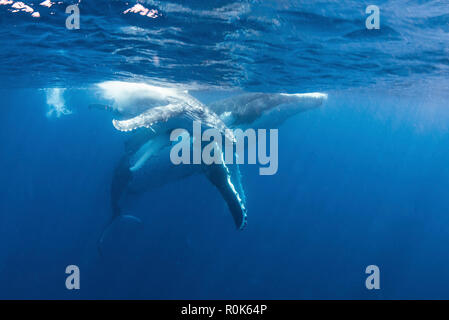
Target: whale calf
x,y
149,113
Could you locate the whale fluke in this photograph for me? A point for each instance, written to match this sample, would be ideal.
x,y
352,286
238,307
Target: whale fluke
x,y
120,218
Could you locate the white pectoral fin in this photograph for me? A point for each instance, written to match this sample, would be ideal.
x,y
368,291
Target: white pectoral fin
x,y
146,151
149,118
227,179
144,156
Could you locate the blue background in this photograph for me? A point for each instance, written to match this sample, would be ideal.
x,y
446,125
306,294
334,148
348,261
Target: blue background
x,y
362,180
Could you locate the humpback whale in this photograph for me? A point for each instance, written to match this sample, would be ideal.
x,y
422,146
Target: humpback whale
x,y
149,113
264,110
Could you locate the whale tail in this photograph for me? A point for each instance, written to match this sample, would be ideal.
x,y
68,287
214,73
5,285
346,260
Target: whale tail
x,y
122,176
121,218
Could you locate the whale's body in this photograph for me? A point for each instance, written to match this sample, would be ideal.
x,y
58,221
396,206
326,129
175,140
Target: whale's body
x,y
149,113
264,110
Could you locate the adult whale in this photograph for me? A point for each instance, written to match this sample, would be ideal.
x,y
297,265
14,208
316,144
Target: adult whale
x,y
149,113
264,110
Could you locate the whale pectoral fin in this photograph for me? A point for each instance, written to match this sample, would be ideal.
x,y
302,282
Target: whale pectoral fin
x,y
137,139
227,179
146,151
150,117
149,149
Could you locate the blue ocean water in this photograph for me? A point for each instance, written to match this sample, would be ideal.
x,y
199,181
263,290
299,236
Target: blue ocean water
x,y
362,180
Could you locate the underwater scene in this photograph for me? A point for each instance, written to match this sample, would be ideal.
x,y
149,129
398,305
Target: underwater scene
x,y
220,149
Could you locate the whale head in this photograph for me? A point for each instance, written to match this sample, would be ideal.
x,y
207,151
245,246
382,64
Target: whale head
x,y
265,110
284,105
